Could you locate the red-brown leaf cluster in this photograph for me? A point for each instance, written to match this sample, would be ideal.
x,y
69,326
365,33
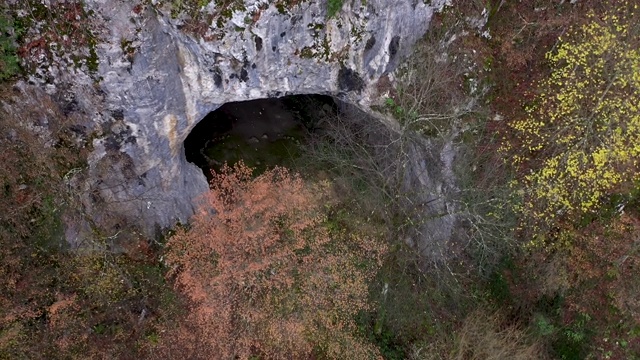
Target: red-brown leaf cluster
x,y
263,274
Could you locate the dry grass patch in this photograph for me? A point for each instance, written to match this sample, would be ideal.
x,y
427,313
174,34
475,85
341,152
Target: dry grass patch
x,y
482,336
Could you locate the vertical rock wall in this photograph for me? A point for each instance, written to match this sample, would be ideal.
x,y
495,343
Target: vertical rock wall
x,y
156,80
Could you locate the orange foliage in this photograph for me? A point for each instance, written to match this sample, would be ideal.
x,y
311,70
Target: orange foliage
x,y
265,277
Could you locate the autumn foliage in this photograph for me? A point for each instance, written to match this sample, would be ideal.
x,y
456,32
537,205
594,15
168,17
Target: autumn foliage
x,y
579,142
264,275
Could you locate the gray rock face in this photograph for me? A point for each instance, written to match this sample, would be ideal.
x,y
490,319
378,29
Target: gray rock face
x,y
157,82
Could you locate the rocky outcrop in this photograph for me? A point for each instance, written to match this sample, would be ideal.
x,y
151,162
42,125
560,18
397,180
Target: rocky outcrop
x,y
155,80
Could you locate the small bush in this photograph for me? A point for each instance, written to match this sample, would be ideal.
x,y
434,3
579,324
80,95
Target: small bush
x,y
485,337
333,6
9,64
482,336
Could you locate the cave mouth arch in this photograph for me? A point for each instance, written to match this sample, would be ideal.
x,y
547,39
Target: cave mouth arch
x,y
262,132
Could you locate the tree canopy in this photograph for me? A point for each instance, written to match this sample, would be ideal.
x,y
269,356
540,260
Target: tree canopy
x,y
580,141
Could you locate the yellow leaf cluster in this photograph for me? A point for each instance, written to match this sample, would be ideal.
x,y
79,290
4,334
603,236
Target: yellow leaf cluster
x,y
583,130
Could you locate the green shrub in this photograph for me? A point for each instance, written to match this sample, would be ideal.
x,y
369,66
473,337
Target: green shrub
x,y
333,6
9,65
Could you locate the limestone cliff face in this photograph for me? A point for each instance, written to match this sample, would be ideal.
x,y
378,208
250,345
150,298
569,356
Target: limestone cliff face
x,y
156,80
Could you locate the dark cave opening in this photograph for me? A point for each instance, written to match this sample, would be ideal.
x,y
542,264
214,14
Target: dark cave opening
x,y
262,133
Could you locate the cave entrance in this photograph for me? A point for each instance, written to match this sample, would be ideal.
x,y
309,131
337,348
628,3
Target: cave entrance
x,y
263,133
